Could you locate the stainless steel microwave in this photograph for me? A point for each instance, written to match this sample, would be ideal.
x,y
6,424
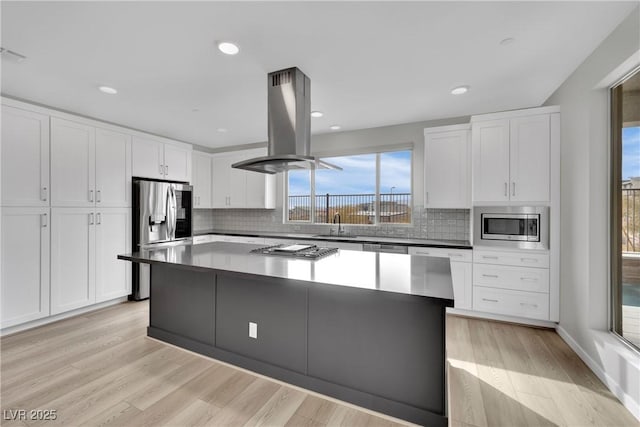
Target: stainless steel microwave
x,y
520,227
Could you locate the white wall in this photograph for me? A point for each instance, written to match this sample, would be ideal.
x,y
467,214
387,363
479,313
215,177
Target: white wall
x,y
584,280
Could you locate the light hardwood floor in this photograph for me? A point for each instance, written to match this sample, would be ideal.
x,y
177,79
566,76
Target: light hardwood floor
x,y
101,369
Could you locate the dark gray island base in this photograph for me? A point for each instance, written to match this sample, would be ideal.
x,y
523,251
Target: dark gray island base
x,y
380,349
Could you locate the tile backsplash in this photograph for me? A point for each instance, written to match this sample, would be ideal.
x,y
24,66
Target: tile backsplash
x,y
438,224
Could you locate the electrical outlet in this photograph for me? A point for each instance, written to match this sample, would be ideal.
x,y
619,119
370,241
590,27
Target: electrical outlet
x,y
253,330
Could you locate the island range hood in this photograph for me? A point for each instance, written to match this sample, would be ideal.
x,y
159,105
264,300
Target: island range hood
x,y
289,112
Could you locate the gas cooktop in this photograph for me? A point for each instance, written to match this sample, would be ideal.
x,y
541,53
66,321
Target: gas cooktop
x,y
296,251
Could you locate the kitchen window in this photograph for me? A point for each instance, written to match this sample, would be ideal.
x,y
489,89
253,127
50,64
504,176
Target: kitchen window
x,y
371,188
625,209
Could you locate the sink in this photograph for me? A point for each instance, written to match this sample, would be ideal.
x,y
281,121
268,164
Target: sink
x,y
336,236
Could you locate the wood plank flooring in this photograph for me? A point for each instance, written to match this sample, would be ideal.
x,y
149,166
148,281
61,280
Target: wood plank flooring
x,y
100,369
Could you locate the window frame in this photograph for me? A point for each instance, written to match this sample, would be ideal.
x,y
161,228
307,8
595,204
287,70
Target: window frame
x,y
343,153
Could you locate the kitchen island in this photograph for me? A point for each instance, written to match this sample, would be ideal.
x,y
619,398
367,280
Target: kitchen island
x,y
367,328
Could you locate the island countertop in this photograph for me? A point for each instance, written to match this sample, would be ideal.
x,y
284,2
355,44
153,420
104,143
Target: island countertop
x,y
396,273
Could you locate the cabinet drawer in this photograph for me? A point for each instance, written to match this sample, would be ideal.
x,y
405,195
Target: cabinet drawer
x,y
519,258
516,303
461,255
207,238
516,278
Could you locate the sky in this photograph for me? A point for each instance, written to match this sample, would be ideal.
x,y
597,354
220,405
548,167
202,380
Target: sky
x,y
358,175
630,152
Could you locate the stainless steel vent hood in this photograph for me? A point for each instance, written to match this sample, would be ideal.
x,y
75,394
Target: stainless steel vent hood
x,y
289,112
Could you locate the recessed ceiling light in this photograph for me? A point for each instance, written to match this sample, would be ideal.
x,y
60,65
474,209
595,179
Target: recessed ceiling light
x,y
228,48
317,114
506,41
222,130
459,90
108,90
334,127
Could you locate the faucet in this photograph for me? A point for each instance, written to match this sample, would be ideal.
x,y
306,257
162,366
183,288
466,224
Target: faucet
x,y
340,230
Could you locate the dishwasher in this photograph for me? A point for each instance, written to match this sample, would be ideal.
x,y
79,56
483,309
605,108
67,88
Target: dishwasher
x,y
389,249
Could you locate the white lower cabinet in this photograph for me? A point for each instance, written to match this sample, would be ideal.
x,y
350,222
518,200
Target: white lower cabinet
x,y
113,237
25,265
84,246
514,283
461,271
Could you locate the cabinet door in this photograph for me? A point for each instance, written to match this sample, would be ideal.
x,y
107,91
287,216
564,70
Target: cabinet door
x,y
113,237
147,158
177,163
72,258
113,169
529,158
490,148
72,164
25,265
446,170
201,180
462,280
237,183
220,174
25,158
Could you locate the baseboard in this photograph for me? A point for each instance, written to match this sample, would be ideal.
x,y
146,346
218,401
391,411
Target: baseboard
x,y
46,320
501,318
612,385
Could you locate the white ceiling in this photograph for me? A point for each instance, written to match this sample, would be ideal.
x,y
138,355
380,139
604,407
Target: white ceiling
x,y
370,63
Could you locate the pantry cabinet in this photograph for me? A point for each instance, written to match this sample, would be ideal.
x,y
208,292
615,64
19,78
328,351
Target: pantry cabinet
x,y
511,159
155,159
202,180
447,164
24,234
240,189
89,166
85,243
25,158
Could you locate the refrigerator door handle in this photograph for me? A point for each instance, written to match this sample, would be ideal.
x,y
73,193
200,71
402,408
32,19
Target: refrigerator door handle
x,y
171,213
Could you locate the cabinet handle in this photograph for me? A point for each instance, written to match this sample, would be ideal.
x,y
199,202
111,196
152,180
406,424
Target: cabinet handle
x,y
91,195
43,194
489,300
44,220
529,279
529,260
98,218
489,257
513,188
166,169
161,169
90,219
491,276
427,197
506,192
98,197
524,304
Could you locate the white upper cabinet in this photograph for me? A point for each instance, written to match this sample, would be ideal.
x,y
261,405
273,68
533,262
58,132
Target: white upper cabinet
x,y
177,163
511,159
25,158
147,158
25,265
89,166
72,163
202,180
447,164
239,189
490,141
158,160
529,158
220,185
113,169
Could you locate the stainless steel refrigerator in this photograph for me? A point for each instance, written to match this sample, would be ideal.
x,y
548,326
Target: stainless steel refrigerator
x,y
162,214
